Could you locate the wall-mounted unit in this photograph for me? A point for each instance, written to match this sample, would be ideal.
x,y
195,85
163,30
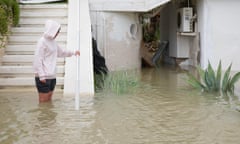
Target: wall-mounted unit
x,y
184,22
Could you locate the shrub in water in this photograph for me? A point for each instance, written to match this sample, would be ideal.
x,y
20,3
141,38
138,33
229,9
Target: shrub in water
x,y
120,82
210,81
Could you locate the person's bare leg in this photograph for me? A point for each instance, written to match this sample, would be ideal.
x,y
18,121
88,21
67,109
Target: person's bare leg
x,y
44,97
50,95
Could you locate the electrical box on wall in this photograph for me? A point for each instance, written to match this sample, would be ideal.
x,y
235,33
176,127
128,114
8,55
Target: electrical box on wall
x,y
184,16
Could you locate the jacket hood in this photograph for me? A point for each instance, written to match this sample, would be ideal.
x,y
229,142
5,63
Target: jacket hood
x,y
51,29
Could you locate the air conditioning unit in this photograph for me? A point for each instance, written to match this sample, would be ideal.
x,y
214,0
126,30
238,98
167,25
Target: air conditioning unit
x,y
184,17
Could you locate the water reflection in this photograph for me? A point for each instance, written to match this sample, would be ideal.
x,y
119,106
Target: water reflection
x,y
46,115
164,110
45,124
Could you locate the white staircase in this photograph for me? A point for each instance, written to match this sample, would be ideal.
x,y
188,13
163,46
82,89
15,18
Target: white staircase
x,y
16,69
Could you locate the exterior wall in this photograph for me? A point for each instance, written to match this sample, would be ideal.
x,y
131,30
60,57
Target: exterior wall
x,y
217,24
217,21
125,5
111,22
115,41
75,79
219,32
202,17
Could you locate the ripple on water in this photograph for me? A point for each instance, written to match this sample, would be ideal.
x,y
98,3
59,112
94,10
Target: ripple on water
x,y
162,111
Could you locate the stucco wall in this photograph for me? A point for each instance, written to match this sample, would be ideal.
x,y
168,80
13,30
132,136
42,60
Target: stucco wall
x,y
79,37
219,31
115,41
125,5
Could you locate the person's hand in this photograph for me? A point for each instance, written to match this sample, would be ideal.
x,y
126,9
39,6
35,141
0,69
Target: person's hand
x,y
43,81
77,53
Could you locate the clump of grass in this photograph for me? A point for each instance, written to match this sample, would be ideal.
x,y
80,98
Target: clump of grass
x,y
211,81
120,82
99,81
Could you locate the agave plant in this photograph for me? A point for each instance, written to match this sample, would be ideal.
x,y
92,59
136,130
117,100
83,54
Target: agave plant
x,y
211,81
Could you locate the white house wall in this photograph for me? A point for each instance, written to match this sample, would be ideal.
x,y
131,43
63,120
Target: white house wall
x,y
151,4
79,37
115,41
219,31
125,5
117,5
202,22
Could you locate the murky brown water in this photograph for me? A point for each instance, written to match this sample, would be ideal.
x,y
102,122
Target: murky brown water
x,y
163,111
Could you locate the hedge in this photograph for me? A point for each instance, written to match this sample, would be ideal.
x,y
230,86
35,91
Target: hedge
x,y
9,15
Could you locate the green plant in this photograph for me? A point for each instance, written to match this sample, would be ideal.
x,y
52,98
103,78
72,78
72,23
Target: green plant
x,y
120,82
99,81
151,32
15,12
3,21
210,81
9,15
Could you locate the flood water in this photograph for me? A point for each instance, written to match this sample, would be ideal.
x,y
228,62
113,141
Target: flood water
x,y
164,110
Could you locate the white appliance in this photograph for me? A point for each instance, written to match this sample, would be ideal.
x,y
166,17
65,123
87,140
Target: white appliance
x,y
184,17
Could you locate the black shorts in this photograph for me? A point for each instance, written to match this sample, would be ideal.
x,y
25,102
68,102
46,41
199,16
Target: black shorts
x,y
45,87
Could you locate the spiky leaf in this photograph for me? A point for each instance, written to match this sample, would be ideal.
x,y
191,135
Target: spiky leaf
x,y
219,75
226,79
211,77
194,82
208,81
201,72
234,79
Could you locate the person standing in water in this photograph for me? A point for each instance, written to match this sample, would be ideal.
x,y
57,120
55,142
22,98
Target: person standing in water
x,y
45,60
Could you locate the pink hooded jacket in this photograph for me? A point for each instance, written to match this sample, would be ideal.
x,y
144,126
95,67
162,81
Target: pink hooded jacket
x,y
47,51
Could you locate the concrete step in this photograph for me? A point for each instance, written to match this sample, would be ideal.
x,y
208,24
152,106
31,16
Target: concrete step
x,y
23,60
16,69
23,49
41,20
33,31
14,39
31,43
33,7
44,13
30,25
32,15
24,81
23,71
